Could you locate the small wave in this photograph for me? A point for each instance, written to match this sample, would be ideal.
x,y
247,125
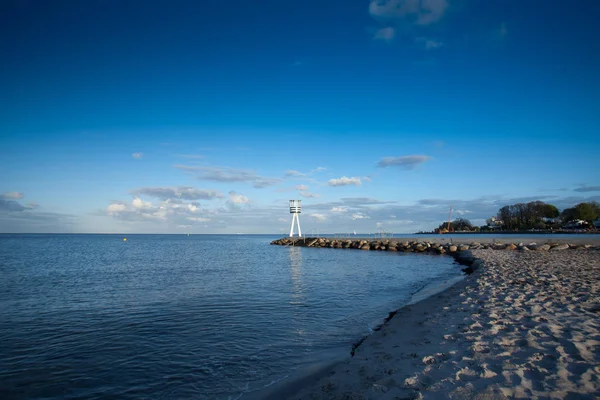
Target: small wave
x,y
275,381
433,289
248,391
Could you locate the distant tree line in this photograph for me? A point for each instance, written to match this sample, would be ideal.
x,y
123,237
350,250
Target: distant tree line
x,y
535,214
584,211
540,215
458,225
532,215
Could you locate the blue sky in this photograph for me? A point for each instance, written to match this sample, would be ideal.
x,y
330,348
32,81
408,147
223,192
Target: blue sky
x,y
207,117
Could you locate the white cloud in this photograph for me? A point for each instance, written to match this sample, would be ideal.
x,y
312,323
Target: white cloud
x,y
363,201
260,182
319,217
318,169
419,12
171,211
281,219
461,212
386,34
236,198
227,174
301,187
12,195
140,204
309,195
114,209
197,219
339,209
359,215
344,181
406,162
366,178
178,192
293,173
162,214
137,156
181,207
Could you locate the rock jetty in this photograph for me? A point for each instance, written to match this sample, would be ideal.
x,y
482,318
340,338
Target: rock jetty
x,y
460,251
424,246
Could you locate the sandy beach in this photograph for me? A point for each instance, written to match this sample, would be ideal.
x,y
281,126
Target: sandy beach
x,y
524,325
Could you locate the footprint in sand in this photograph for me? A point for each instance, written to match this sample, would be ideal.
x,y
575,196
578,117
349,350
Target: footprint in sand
x,y
468,374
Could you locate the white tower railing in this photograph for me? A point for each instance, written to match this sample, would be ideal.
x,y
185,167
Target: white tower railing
x,y
295,210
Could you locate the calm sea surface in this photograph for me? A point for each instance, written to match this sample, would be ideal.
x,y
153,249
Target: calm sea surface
x,y
175,316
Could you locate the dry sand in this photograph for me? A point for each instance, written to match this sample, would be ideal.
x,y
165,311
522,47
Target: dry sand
x,y
525,325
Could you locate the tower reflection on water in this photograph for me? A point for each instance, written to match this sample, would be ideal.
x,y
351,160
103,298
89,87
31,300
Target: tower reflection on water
x,y
297,295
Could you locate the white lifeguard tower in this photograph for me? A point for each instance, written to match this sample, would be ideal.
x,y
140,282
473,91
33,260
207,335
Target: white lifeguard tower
x,y
295,210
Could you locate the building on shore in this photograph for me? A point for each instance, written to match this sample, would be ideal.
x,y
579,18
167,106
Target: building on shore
x,y
494,223
576,224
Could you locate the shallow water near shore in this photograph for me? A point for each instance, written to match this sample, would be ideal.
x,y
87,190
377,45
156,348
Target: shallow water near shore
x,y
200,316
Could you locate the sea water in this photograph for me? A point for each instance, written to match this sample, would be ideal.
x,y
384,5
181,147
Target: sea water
x,y
177,316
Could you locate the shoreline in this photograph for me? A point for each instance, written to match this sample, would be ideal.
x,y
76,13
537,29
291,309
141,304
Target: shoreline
x,y
312,373
302,378
319,386
523,325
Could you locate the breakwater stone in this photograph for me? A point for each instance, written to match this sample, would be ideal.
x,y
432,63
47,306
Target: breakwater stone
x,y
430,247
460,251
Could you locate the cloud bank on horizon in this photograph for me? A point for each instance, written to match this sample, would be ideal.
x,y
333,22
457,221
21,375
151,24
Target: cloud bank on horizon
x,y
381,121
